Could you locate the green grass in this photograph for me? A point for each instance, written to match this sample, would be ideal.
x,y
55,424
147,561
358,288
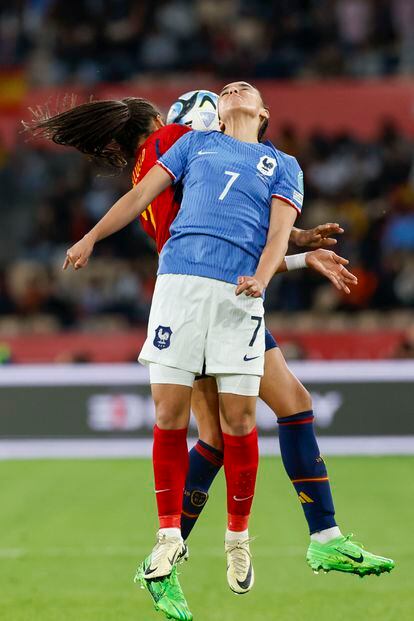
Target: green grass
x,y
72,533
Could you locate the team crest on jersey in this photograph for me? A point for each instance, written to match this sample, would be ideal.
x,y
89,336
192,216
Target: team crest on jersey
x,y
162,338
267,165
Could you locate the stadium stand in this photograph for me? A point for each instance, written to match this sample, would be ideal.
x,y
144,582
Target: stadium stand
x,y
361,175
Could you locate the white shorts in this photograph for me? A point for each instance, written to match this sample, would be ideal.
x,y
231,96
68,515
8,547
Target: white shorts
x,y
199,323
246,385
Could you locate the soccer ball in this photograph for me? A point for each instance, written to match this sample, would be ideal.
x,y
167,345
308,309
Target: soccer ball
x,y
196,109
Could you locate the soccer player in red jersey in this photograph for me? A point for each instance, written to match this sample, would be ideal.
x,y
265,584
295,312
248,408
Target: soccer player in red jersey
x,y
158,217
287,396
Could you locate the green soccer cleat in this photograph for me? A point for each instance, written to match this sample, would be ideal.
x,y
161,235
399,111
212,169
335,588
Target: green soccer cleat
x,y
166,593
342,554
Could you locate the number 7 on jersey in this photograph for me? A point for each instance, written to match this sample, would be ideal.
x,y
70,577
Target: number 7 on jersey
x,y
233,176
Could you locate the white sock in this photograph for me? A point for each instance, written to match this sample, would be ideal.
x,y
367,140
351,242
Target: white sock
x,y
323,536
232,535
170,532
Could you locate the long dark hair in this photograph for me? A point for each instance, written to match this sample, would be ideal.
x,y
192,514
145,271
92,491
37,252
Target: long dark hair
x,y
263,129
107,131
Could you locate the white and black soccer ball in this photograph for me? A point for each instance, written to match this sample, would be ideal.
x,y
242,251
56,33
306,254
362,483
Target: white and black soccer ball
x,y
196,109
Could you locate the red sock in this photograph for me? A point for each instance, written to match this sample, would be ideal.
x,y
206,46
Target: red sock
x,y
170,462
241,461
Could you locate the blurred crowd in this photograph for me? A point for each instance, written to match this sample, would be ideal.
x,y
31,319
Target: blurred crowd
x,y
52,197
94,40
50,200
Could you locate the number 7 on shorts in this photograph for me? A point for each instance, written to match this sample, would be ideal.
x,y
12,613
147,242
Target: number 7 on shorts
x,y
256,330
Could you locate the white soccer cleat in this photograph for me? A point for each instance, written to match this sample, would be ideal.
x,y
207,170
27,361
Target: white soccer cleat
x,y
240,572
168,551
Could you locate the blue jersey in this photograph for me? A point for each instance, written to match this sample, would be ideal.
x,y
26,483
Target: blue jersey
x,y
221,227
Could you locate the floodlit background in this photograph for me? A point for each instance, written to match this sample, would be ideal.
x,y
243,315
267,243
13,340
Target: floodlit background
x,y
338,76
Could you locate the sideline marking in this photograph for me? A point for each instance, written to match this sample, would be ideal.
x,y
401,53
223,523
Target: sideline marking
x,y
140,448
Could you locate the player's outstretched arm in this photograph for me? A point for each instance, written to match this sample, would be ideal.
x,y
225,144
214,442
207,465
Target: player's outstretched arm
x,y
124,211
282,218
318,237
332,266
325,262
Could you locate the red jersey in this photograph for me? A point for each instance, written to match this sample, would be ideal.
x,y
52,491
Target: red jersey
x,y
159,215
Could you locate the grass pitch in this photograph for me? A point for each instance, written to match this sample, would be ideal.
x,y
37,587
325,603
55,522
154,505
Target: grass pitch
x,y
72,533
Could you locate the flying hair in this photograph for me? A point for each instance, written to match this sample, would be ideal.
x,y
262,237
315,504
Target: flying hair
x,y
107,131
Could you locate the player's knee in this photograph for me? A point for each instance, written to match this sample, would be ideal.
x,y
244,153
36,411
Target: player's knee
x,y
304,397
170,415
172,405
242,428
299,400
238,421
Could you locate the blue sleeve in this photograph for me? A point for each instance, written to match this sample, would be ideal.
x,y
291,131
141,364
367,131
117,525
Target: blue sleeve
x,y
288,185
174,161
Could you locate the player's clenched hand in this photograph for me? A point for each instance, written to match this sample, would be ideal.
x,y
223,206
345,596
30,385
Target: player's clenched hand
x,y
331,265
78,255
250,286
318,237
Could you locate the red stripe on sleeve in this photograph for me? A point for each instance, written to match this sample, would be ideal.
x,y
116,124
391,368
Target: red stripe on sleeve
x,y
167,170
287,200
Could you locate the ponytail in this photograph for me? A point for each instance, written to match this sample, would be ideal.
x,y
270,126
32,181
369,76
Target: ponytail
x,y
107,131
262,129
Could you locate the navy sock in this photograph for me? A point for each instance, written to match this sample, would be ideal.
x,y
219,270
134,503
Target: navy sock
x,y
306,469
205,463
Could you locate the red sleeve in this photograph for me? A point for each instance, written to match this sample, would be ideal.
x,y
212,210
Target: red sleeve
x,y
156,145
169,134
157,218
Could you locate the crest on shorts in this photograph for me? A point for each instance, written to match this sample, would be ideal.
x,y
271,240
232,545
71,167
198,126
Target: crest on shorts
x,y
162,338
267,165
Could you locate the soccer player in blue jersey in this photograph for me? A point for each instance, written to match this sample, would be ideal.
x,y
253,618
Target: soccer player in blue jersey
x,y
240,201
292,404
211,243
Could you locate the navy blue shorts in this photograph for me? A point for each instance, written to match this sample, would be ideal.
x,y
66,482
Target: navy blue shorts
x,y
270,343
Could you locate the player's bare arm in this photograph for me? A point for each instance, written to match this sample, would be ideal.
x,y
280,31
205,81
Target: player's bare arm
x,y
282,218
123,212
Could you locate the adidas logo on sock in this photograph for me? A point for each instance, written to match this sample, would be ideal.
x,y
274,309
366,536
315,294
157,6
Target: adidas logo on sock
x,y
304,498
